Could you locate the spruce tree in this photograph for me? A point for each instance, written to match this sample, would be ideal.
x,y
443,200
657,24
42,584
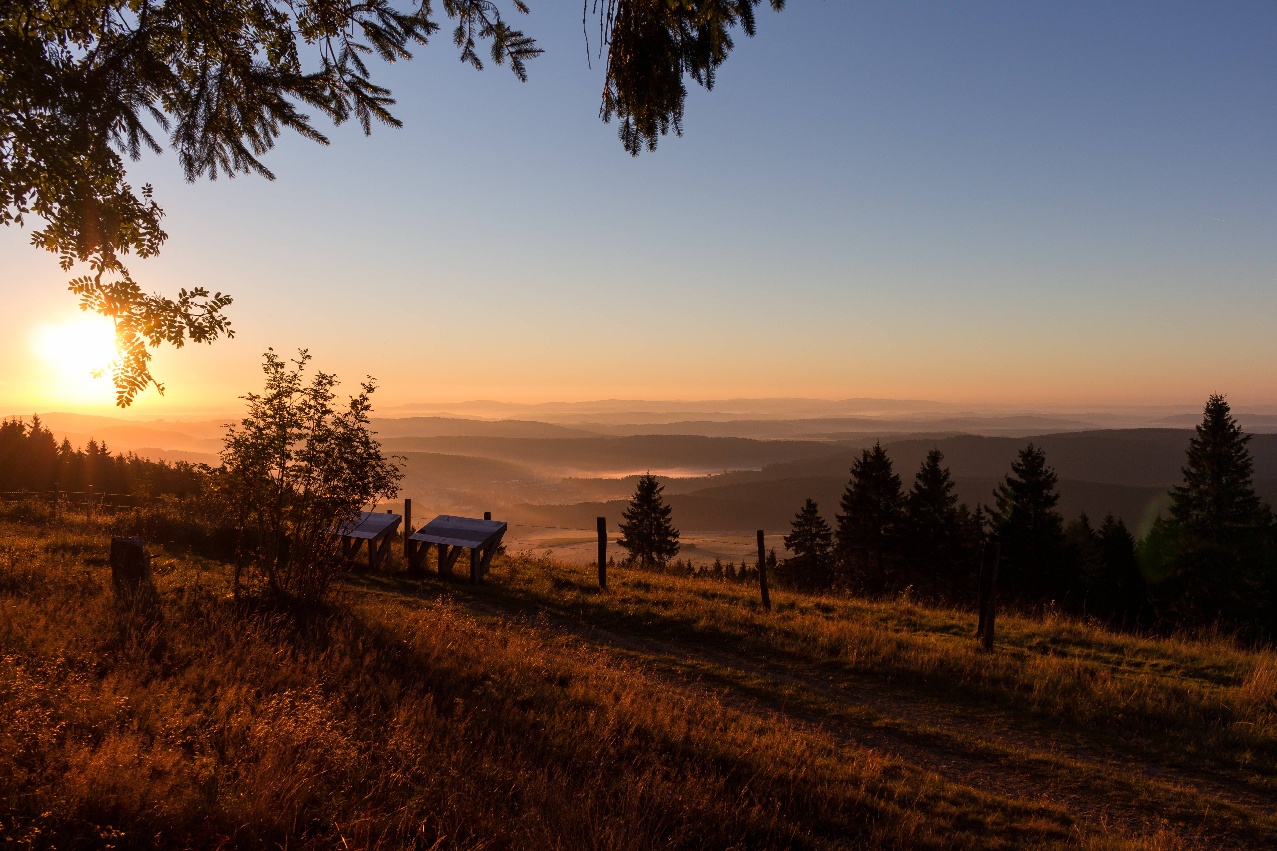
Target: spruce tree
x,y
1219,532
868,527
646,531
1217,499
1122,590
1029,528
933,527
811,541
1085,555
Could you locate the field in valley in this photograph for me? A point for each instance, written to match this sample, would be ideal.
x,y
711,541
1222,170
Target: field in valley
x,y
537,711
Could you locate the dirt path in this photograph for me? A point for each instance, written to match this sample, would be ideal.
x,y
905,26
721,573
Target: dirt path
x,y
986,749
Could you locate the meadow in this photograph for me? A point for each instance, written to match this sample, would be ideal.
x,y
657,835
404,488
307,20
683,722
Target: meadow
x,y
538,711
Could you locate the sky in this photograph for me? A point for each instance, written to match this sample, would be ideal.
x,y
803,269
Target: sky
x,y
1007,203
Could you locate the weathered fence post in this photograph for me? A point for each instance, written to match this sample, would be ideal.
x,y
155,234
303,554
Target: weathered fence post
x,y
487,515
982,590
991,601
602,524
407,527
762,573
130,565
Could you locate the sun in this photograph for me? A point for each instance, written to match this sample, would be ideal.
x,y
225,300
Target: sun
x,y
72,351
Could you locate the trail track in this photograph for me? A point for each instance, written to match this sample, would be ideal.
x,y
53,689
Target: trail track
x,y
986,749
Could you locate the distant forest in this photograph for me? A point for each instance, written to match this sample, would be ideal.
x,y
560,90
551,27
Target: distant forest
x,y
1210,561
32,460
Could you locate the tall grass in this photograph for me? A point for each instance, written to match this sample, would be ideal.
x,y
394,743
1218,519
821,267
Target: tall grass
x,y
1203,700
423,716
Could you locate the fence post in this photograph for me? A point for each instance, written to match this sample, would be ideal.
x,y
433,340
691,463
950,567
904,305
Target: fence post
x,y
487,515
602,525
88,505
991,603
982,590
762,573
130,566
407,526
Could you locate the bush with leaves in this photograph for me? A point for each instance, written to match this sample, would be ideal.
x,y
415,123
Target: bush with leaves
x,y
295,471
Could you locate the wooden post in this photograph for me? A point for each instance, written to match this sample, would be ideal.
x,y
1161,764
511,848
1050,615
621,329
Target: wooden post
x,y
602,525
445,566
130,565
407,527
487,515
762,573
992,603
88,505
982,590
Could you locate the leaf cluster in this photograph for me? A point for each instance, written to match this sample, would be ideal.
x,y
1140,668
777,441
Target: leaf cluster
x,y
652,46
86,83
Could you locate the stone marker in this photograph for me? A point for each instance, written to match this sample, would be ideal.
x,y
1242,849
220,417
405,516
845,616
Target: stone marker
x,y
130,564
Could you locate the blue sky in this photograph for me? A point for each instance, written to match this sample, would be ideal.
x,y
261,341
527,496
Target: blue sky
x,y
1022,203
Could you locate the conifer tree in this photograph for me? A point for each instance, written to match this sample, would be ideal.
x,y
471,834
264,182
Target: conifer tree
x,y
811,541
933,527
1219,534
1029,529
868,527
646,530
1122,590
1217,498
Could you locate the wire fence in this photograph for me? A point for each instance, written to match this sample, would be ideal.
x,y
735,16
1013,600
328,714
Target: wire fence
x,y
86,503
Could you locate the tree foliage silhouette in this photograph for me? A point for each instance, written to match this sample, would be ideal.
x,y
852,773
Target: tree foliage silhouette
x,y
295,470
869,525
1218,541
85,83
934,528
647,533
653,46
811,541
1110,585
1029,528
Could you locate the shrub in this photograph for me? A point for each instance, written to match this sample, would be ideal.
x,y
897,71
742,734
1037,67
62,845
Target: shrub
x,y
295,471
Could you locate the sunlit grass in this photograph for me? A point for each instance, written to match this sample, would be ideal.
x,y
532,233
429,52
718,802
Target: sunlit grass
x,y
536,711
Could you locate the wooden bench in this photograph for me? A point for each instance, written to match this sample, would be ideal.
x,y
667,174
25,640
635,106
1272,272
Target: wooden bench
x,y
451,535
377,529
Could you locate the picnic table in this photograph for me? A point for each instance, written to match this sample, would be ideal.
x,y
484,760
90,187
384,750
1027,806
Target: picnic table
x,y
377,529
450,535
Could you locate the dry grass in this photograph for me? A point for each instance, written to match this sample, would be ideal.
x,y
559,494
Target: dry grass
x,y
1204,701
427,715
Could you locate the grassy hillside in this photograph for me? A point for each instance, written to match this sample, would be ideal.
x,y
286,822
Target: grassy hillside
x,y
536,711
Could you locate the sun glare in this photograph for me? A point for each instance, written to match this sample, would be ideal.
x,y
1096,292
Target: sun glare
x,y
71,351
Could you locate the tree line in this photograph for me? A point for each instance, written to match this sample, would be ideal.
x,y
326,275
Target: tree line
x,y
1211,562
32,460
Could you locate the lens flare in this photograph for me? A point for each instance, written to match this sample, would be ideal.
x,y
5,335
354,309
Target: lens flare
x,y
76,353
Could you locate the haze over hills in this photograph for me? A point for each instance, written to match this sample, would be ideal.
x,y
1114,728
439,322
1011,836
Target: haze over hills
x,y
1127,473
740,466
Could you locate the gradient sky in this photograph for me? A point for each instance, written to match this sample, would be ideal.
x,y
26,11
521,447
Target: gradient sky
x,y
983,202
